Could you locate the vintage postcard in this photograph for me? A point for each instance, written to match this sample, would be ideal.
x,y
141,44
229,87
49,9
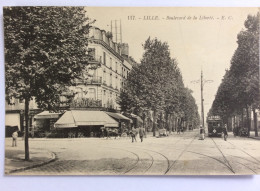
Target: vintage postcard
x,y
132,91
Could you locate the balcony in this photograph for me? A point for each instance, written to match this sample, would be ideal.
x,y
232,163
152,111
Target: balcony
x,y
85,103
94,80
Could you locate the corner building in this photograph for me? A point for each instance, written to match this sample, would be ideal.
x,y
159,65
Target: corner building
x,y
106,72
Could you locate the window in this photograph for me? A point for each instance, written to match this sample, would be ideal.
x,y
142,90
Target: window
x,y
104,76
92,93
111,63
104,58
116,66
111,79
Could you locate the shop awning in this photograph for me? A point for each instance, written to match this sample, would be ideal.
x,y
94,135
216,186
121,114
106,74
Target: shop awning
x,y
119,116
137,118
12,119
77,118
66,121
87,118
47,115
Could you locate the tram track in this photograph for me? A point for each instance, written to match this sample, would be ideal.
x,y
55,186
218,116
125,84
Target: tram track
x,y
185,149
258,161
135,154
225,159
159,153
167,159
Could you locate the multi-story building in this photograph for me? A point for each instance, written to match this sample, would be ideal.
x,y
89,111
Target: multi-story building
x,y
98,89
106,74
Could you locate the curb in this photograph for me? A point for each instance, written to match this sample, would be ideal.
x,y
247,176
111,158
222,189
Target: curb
x,y
53,158
256,138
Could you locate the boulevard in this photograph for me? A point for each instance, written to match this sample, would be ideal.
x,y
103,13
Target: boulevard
x,y
177,154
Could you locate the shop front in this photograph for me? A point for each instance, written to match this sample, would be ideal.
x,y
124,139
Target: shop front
x,y
82,123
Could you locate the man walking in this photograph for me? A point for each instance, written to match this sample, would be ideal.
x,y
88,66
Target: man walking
x,y
108,133
14,136
225,132
141,133
133,133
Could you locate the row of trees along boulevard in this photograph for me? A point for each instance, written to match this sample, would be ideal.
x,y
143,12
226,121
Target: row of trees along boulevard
x,y
154,90
45,52
238,94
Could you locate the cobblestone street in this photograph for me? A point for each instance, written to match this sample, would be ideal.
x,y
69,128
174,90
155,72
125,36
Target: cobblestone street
x,y
173,155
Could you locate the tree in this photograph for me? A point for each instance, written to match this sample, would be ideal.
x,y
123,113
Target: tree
x,y
45,51
243,75
154,85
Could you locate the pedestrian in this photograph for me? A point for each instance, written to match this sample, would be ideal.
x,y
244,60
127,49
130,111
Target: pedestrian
x,y
102,132
108,133
14,136
141,133
116,133
202,133
178,130
133,135
224,130
235,131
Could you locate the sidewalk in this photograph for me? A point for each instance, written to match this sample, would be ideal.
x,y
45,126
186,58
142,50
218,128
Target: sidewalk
x,y
252,135
14,158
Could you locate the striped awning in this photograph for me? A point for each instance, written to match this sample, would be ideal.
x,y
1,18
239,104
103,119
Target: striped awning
x,y
76,118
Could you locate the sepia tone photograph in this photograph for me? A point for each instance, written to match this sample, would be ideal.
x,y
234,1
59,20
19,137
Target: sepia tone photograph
x,y
131,91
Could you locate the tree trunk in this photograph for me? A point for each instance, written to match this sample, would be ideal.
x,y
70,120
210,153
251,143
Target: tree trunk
x,y
26,135
154,123
242,119
167,121
144,126
255,122
170,123
177,123
248,120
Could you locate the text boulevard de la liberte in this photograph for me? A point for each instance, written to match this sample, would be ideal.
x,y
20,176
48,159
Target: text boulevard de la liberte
x,y
183,18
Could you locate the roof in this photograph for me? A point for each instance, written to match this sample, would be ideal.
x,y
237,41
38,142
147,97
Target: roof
x,y
66,121
47,115
119,116
77,118
137,118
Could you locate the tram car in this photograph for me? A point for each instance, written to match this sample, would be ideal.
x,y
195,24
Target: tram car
x,y
214,126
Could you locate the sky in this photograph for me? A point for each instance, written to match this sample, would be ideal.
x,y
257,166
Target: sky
x,y
201,39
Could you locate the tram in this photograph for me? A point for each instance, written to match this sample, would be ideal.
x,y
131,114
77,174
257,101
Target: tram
x,y
214,126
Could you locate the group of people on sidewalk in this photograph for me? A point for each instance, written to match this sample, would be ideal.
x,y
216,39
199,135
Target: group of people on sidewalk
x,y
134,132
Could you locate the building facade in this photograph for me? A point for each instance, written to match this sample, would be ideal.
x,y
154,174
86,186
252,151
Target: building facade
x,y
106,73
98,88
